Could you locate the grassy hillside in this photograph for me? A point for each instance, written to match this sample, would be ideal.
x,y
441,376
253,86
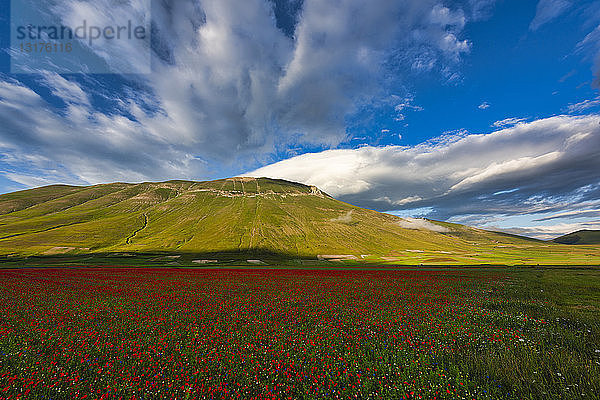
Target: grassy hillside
x,y
247,216
580,237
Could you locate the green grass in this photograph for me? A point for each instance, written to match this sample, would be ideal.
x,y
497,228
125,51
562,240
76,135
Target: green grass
x,y
580,237
561,357
247,216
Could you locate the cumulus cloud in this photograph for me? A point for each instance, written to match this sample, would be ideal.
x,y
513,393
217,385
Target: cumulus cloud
x,y
452,45
232,82
444,16
484,106
540,166
548,10
445,24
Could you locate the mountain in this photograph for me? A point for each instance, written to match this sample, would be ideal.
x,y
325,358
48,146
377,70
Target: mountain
x,y
580,237
248,217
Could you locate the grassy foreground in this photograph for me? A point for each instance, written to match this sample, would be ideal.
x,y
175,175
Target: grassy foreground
x,y
201,333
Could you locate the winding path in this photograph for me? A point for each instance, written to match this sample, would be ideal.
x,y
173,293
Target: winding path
x,y
128,240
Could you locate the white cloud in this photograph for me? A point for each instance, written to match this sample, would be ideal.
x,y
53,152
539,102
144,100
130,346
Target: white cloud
x,y
591,40
584,213
423,63
548,10
484,106
544,165
407,103
79,145
403,105
583,105
69,92
450,44
445,17
228,85
419,223
119,56
506,168
589,47
548,232
481,9
508,122
32,181
345,218
401,202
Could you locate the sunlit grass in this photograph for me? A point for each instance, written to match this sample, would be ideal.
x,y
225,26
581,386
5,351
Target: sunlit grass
x,y
150,333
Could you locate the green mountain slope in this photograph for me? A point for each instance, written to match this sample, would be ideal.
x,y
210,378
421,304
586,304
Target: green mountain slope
x,y
246,216
580,237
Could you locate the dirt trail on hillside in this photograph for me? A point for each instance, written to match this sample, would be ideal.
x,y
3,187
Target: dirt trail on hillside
x,y
128,240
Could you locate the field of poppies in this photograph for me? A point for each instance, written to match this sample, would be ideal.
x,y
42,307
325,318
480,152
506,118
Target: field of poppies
x,y
133,333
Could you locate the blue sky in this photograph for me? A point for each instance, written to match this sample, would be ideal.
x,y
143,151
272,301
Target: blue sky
x,y
476,111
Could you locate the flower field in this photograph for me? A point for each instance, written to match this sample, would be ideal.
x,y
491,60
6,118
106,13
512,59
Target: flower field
x,y
118,333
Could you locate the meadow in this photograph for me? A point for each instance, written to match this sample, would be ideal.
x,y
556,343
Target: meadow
x,y
147,333
245,218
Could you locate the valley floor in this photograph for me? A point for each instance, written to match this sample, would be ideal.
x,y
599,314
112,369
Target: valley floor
x,y
146,333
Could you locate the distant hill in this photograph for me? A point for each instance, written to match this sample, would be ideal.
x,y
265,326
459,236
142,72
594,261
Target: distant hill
x,y
245,216
580,237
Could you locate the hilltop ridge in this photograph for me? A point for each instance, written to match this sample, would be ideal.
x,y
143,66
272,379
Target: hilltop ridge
x,y
243,215
582,237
